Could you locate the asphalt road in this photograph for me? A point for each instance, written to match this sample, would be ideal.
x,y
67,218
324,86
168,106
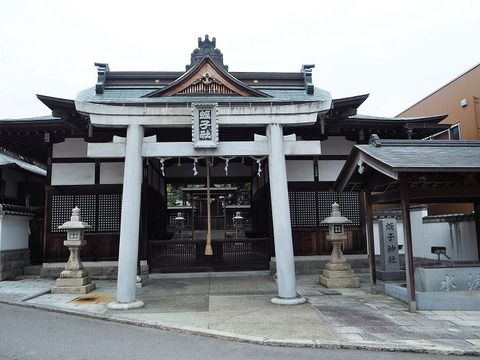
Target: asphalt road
x,y
36,334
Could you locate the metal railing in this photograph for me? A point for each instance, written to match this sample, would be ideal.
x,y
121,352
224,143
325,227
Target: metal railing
x,y
228,254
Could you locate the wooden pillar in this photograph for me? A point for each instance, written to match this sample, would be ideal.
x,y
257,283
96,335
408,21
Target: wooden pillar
x,y
476,207
368,231
407,233
46,222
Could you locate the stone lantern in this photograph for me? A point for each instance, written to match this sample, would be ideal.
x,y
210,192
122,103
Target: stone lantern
x,y
237,223
337,273
74,279
180,223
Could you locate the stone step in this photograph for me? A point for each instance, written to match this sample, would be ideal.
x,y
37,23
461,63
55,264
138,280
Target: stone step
x,y
32,270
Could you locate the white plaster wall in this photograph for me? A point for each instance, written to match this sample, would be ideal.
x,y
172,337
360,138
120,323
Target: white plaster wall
x,y
71,147
12,178
73,174
14,232
111,173
299,170
336,145
459,238
328,170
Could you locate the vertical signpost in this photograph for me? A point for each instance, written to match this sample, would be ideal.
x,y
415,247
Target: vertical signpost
x,y
388,245
205,135
389,255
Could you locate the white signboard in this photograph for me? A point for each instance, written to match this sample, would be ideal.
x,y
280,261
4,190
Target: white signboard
x,y
204,126
389,258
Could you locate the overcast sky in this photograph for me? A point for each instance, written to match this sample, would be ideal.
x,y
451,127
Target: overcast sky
x,y
397,51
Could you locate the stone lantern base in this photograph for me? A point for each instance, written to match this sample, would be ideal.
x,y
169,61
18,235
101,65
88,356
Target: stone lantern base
x,y
339,275
73,282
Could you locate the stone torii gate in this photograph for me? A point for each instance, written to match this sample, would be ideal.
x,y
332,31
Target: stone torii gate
x,y
274,117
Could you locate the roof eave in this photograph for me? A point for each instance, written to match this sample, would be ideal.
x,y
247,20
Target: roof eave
x,y
54,103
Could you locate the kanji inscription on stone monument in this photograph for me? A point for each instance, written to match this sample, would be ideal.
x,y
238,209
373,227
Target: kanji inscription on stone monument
x,y
389,258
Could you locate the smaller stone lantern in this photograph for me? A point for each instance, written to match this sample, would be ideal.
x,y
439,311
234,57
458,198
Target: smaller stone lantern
x,y
74,279
237,223
180,223
337,273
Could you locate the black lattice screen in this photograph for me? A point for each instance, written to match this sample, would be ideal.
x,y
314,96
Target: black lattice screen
x,y
86,203
350,206
293,214
309,208
100,211
304,210
325,201
109,211
61,211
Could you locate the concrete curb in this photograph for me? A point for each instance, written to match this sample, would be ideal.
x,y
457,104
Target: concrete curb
x,y
223,335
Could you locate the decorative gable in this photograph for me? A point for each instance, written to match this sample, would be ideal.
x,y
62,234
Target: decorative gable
x,y
207,76
207,84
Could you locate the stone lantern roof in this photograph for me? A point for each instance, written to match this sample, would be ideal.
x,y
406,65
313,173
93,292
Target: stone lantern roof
x,y
335,216
75,221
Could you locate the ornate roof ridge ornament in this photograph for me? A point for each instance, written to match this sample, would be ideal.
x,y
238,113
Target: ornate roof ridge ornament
x,y
375,140
205,48
307,77
102,70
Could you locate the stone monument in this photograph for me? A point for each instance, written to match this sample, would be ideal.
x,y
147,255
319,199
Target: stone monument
x,y
389,256
74,279
337,273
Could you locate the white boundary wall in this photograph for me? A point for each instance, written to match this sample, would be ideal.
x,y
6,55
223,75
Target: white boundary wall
x,y
456,233
14,232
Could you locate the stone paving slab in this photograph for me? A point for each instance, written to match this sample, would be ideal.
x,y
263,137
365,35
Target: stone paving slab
x,y
240,308
189,319
21,290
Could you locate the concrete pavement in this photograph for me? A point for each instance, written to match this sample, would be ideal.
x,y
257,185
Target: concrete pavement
x,y
239,307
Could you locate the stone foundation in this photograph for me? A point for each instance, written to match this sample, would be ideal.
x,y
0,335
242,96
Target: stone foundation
x,y
339,275
98,270
437,300
314,264
391,275
12,263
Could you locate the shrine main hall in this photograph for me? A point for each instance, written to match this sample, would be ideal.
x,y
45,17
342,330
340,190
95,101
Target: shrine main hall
x,y
204,169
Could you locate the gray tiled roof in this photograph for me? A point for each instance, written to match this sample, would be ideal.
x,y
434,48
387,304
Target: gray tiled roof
x,y
426,155
384,119
134,95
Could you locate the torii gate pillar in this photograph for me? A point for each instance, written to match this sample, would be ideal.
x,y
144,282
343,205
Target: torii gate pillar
x,y
282,228
130,222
